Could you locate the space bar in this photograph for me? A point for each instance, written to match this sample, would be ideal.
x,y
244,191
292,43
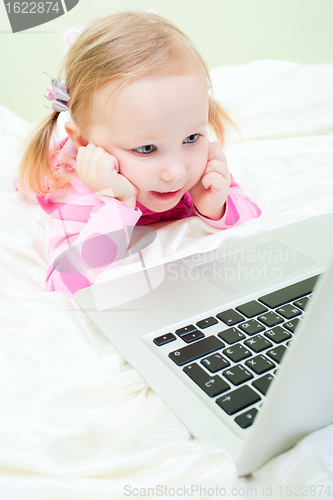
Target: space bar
x,y
196,350
289,293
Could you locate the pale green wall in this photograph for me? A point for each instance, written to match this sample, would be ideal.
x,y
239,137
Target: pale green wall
x,y
224,31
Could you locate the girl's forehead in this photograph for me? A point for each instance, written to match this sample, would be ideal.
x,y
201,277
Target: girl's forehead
x,y
152,88
152,109
145,94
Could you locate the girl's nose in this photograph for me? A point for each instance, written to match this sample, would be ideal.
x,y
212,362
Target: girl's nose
x,y
174,169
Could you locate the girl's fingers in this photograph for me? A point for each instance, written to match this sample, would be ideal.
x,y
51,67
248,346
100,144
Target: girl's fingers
x,y
93,158
217,161
213,181
215,152
83,158
94,162
108,163
98,170
220,168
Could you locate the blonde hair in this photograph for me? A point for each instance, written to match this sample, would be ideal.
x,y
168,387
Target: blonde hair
x,y
116,48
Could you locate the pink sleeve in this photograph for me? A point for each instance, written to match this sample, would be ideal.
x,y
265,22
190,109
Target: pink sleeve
x,y
79,250
88,234
238,209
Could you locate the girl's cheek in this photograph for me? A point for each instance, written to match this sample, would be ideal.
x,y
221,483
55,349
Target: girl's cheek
x,y
140,176
131,169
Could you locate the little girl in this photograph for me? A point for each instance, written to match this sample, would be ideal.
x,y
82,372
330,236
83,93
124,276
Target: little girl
x,y
137,150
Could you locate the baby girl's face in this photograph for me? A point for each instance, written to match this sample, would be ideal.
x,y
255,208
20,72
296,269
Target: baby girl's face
x,y
157,129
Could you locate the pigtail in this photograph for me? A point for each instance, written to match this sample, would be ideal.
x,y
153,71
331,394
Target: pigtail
x,y
219,120
36,172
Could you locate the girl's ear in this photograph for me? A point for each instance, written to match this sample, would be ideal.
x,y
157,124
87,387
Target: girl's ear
x,y
75,135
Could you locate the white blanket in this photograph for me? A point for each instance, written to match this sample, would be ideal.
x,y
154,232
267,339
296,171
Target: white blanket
x,y
76,421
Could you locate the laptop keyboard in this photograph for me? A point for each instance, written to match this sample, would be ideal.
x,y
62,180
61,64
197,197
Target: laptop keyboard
x,y
237,365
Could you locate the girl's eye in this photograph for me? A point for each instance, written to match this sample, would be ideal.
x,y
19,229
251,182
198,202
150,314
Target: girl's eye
x,y
191,138
148,148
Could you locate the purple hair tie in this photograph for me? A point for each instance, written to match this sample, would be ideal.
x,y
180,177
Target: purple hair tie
x,y
58,95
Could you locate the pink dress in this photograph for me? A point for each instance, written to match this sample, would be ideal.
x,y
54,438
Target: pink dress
x,y
90,234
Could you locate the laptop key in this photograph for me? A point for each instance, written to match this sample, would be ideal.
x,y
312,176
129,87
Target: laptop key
x,y
192,337
237,400
246,419
215,362
259,364
230,317
278,335
237,374
185,330
291,325
164,339
289,293
232,335
251,327
196,350
270,319
277,353
263,383
258,343
205,323
301,303
289,311
213,386
251,309
237,352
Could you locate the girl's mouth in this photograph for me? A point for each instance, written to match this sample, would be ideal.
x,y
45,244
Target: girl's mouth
x,y
169,195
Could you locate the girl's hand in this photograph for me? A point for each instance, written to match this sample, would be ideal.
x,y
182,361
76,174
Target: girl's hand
x,y
99,171
210,193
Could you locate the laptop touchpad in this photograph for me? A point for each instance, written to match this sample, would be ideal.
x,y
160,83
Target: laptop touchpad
x,y
251,267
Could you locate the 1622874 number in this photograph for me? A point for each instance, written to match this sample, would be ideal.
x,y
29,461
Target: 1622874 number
x,y
318,490
32,7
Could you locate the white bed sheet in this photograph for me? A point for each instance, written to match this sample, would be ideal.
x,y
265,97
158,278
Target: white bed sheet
x,y
76,421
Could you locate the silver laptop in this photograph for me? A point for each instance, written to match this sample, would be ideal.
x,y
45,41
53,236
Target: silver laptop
x,y
238,342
